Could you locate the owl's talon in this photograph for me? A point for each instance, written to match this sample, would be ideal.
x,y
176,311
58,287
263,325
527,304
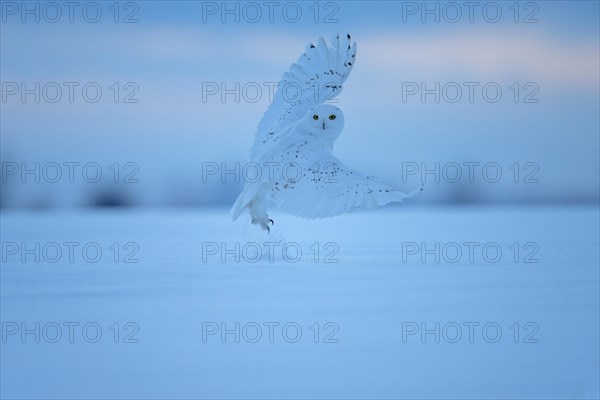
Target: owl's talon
x,y
262,224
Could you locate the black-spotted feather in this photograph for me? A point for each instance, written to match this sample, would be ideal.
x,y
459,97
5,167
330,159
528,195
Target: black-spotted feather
x,y
319,73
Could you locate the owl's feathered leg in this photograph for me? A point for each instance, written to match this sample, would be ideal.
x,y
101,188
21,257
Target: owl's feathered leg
x,y
254,198
260,217
258,209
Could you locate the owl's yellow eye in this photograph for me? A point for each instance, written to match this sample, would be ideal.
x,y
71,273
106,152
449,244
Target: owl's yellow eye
x,y
332,117
315,117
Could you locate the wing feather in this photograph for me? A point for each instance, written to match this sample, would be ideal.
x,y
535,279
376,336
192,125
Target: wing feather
x,y
317,76
326,187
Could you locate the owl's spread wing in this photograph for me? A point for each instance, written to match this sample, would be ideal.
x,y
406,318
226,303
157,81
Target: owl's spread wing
x,y
317,76
315,184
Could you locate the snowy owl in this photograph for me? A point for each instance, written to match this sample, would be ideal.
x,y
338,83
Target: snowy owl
x,y
294,167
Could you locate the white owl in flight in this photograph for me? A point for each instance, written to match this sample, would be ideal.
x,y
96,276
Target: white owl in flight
x,y
292,151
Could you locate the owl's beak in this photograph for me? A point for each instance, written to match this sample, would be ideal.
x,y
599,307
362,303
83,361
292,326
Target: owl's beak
x,y
323,125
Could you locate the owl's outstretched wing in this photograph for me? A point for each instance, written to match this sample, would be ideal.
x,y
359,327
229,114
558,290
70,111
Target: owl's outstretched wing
x,y
316,185
317,76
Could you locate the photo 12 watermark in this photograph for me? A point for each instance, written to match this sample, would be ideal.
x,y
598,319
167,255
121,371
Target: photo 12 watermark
x,y
70,92
253,92
469,332
453,12
271,252
525,172
70,252
269,171
69,332
471,252
270,332
69,172
470,92
53,12
253,12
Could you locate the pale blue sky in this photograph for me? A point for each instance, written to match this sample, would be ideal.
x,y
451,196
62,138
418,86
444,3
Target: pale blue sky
x,y
170,132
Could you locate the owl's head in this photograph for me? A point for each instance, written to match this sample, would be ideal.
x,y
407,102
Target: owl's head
x,y
324,121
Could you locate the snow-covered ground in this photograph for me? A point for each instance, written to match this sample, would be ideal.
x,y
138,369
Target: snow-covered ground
x,y
524,324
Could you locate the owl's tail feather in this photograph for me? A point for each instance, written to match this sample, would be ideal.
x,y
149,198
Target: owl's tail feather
x,y
254,198
240,203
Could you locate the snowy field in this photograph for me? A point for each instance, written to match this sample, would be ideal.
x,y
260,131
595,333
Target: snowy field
x,y
520,324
